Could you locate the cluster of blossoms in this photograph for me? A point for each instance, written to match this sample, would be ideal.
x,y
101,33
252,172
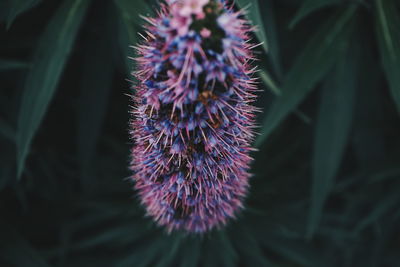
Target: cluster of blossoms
x,y
193,119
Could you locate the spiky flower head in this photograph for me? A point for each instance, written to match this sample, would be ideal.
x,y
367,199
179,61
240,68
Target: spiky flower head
x,y
193,119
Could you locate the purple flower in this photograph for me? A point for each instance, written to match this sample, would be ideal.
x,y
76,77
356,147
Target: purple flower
x,y
193,119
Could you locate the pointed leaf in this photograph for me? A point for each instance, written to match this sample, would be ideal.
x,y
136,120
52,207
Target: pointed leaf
x,y
308,7
309,68
130,12
390,202
96,85
388,35
332,132
269,82
254,15
267,7
49,60
368,140
12,64
133,10
17,7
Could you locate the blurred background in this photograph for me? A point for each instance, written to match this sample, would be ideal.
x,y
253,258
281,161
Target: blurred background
x,y
326,184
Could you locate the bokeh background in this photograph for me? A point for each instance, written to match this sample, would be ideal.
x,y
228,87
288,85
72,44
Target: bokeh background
x,y
326,184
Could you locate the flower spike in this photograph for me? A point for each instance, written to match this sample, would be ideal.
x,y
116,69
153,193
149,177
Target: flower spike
x,y
193,120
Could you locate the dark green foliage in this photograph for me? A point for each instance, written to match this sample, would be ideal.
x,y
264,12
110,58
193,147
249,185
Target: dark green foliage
x,y
326,189
307,7
388,33
96,82
253,13
48,62
334,119
310,66
13,8
7,65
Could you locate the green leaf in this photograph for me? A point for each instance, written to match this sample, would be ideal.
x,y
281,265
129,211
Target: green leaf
x,y
308,7
130,12
6,65
388,35
254,15
309,68
48,64
368,140
332,132
390,202
16,251
133,10
269,82
98,72
17,7
267,7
